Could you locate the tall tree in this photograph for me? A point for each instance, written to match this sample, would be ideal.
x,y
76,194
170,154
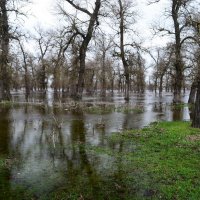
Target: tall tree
x,y
178,64
104,44
6,34
124,16
196,112
44,44
162,63
26,71
86,37
4,51
178,12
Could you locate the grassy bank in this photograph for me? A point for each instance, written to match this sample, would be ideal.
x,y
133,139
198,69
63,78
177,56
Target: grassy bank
x,y
161,161
166,161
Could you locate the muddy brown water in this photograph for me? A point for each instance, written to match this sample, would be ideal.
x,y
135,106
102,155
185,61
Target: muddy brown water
x,y
43,138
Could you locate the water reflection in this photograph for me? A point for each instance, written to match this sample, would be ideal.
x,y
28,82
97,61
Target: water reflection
x,y
49,143
5,126
5,173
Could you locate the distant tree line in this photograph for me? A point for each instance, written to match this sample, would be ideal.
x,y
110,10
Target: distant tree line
x,y
84,56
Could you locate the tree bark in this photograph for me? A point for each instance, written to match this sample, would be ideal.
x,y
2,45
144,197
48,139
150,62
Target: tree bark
x,y
83,50
26,75
4,51
161,85
196,111
125,64
178,59
103,76
192,94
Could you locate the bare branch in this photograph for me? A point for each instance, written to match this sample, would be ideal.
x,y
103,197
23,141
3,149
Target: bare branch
x,y
152,2
188,38
79,8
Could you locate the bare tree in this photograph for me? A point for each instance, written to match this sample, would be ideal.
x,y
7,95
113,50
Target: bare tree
x,y
58,60
178,12
43,41
6,34
103,46
124,15
162,64
4,51
196,112
86,36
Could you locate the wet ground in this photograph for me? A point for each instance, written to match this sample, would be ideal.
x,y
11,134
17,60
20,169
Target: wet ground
x,y
46,144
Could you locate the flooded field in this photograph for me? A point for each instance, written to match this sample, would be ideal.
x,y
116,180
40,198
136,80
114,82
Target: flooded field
x,y
49,146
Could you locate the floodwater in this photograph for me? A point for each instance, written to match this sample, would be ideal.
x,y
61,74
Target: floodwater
x,y
45,143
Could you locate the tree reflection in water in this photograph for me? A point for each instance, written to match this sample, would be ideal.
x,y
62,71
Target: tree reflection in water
x,y
54,147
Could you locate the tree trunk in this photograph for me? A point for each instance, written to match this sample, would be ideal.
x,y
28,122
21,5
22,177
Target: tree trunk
x,y
83,48
4,36
178,59
27,85
80,84
192,95
178,85
155,85
112,85
161,85
196,112
103,76
43,76
26,75
125,64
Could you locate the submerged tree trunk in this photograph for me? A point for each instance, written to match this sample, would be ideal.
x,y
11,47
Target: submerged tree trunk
x,y
155,85
43,78
196,111
127,86
27,85
103,76
161,86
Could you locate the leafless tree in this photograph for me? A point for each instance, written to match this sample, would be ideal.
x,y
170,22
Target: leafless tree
x,y
58,60
104,44
85,35
4,51
195,23
162,64
178,12
124,17
6,34
43,41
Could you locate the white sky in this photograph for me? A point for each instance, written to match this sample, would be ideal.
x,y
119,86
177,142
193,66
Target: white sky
x,y
43,14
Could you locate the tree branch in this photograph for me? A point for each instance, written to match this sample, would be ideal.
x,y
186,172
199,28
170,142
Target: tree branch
x,y
188,38
79,8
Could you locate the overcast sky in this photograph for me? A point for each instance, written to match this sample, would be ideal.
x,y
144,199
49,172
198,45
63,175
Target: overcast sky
x,y
43,14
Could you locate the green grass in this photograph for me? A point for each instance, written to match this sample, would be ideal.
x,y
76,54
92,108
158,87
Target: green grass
x,y
161,161
167,160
